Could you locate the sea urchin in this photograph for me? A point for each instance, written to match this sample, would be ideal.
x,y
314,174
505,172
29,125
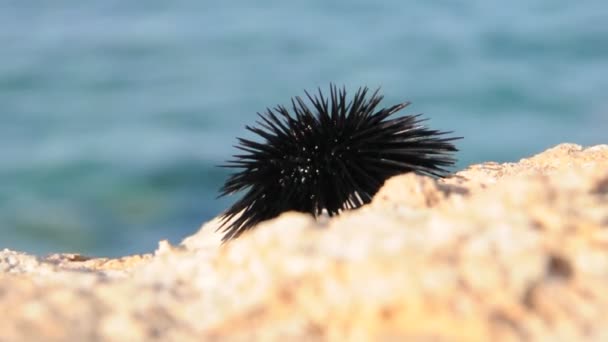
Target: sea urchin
x,y
327,157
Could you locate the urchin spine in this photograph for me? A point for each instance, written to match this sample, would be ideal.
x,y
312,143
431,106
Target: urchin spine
x,y
328,156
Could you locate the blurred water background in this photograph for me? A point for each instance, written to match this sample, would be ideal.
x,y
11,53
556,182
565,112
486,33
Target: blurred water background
x,y
114,113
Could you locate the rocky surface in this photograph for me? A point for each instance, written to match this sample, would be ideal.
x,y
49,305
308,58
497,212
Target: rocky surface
x,y
502,252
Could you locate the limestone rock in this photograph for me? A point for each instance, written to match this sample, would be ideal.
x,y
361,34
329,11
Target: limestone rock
x,y
502,252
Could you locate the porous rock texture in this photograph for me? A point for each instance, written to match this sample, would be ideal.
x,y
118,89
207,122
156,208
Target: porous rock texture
x,y
498,252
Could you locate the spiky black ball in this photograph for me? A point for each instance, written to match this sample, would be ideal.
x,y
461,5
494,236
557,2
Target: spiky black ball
x,y
329,155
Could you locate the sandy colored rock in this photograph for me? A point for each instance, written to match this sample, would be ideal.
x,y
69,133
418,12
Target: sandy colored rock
x,y
501,252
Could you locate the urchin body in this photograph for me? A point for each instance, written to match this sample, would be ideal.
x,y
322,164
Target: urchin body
x,y
331,155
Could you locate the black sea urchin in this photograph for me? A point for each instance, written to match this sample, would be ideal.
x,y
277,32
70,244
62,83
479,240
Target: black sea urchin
x,y
333,155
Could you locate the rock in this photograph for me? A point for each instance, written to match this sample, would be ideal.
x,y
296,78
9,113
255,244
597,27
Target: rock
x,y
515,251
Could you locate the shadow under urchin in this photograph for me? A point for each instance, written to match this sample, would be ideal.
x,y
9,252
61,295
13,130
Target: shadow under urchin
x,y
327,155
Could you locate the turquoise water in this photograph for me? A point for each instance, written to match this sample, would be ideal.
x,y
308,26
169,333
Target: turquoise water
x,y
113,115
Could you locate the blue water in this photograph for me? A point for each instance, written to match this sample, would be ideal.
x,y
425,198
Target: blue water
x,y
113,115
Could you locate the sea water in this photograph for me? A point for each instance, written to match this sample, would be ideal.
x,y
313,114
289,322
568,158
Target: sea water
x,y
113,115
